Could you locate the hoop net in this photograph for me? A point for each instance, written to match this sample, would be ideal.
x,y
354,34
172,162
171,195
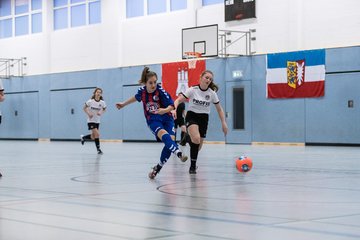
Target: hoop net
x,y
192,58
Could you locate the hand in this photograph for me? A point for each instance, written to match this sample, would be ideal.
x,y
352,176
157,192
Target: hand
x,y
173,112
160,111
90,115
99,113
120,105
224,128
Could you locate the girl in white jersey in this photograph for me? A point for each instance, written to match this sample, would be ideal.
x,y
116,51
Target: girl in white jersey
x,y
2,98
94,108
200,97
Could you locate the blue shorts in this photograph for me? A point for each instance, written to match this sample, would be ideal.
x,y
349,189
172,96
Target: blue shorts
x,y
167,125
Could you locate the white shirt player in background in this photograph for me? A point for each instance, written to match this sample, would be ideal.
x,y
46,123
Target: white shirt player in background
x,y
2,98
200,98
94,108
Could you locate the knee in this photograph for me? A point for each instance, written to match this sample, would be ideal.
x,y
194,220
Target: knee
x,y
196,139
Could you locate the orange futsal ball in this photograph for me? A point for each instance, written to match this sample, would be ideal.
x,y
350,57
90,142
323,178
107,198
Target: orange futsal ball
x,y
243,164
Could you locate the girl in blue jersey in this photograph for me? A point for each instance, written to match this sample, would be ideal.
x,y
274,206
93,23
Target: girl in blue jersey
x,y
157,105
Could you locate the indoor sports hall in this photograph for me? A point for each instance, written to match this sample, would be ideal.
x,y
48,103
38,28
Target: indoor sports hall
x,y
279,149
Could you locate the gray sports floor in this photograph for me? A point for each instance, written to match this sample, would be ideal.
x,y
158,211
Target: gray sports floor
x,y
63,191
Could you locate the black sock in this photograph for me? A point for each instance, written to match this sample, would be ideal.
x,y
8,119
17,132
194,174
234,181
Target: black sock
x,y
97,143
193,163
194,150
87,137
158,168
182,135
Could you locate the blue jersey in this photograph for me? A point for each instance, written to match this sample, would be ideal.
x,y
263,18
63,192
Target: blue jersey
x,y
153,101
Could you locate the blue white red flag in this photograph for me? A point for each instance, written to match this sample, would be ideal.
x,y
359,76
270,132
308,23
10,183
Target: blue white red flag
x,y
296,74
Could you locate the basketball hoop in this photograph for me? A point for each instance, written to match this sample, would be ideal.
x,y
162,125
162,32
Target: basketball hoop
x,y
192,58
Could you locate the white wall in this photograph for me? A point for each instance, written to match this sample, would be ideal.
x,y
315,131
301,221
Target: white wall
x,y
281,25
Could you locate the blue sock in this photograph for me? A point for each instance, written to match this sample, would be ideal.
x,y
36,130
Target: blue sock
x,y
169,143
165,154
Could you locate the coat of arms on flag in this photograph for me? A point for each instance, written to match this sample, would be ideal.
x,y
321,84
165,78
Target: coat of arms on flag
x,y
296,74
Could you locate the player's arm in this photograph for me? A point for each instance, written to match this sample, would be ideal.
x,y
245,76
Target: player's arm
x,y
181,98
162,111
2,95
120,105
101,111
86,110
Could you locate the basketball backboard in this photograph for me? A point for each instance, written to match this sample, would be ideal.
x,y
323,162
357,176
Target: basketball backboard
x,y
203,39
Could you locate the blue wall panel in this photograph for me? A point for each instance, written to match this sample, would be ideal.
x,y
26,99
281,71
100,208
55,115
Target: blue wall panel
x,y
214,129
111,83
343,59
20,116
68,119
274,120
313,120
133,121
242,64
328,119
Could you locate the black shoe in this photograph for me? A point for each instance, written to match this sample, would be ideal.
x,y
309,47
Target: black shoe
x,y
0,175
192,170
154,171
182,157
82,140
99,151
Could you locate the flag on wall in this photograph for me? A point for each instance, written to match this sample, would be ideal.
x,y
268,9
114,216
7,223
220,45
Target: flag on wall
x,y
178,76
296,74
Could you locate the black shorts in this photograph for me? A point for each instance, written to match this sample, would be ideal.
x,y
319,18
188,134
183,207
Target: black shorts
x,y
0,119
200,119
93,125
179,122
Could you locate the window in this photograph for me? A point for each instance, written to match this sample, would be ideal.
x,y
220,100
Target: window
x,y
134,8
156,6
6,28
178,5
138,8
5,8
36,25
210,2
20,17
22,25
21,6
94,12
78,15
60,18
75,13
36,5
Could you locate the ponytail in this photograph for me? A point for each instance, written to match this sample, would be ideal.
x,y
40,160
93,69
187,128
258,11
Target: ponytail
x,y
146,74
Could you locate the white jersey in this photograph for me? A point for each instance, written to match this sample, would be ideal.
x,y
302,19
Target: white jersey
x,y
199,100
94,107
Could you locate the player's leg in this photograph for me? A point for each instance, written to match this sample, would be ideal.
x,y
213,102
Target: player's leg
x,y
195,141
96,136
84,138
184,136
